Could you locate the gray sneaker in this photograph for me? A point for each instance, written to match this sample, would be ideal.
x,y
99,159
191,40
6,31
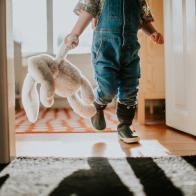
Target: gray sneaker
x,y
125,116
127,135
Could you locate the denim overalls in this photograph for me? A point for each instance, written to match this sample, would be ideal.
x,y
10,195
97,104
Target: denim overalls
x,y
115,52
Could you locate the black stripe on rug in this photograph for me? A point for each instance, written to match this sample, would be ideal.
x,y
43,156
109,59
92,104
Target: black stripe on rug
x,y
3,178
153,178
191,160
2,166
99,180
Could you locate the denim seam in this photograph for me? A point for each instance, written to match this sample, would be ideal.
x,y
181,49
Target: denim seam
x,y
98,51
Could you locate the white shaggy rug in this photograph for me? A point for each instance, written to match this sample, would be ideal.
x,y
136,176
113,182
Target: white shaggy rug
x,y
99,176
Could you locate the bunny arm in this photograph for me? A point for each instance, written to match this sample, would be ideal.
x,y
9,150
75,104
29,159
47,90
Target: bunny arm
x,y
40,71
81,108
30,98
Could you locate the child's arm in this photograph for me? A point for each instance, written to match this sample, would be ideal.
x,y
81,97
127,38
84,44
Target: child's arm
x,y
82,22
86,10
150,30
146,23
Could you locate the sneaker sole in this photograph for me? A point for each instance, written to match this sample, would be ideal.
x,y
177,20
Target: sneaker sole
x,y
98,130
129,140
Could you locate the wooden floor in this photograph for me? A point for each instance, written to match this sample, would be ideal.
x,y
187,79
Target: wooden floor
x,y
156,140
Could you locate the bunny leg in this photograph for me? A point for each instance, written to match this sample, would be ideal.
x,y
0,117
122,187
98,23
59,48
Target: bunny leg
x,y
30,98
86,90
82,109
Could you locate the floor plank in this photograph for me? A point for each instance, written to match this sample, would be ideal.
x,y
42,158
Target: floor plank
x,y
156,140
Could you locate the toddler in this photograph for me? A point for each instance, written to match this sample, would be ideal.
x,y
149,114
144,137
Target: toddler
x,y
115,56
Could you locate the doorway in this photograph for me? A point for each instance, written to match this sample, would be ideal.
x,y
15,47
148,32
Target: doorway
x,y
96,144
7,98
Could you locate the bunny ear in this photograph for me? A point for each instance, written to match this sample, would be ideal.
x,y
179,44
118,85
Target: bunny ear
x,y
30,98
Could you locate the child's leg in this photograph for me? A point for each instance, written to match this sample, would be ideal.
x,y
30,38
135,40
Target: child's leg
x,y
127,92
129,82
105,56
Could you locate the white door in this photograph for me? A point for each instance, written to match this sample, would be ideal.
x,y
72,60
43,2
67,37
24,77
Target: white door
x,y
180,53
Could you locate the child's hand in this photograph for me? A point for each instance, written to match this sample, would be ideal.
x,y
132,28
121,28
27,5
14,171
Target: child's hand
x,y
74,44
157,38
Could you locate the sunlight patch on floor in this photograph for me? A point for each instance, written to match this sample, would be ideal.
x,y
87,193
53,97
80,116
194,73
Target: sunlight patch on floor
x,y
91,145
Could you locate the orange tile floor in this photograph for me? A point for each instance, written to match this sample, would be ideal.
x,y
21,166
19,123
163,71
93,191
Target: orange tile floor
x,y
61,121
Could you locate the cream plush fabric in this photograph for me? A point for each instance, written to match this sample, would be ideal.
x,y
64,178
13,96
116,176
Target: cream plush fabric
x,y
56,76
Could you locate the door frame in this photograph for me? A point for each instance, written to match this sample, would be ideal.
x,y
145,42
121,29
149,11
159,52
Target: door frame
x,y
7,84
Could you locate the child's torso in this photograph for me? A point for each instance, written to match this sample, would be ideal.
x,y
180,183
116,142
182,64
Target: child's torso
x,y
119,16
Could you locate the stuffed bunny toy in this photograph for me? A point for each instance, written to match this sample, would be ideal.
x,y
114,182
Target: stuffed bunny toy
x,y
56,76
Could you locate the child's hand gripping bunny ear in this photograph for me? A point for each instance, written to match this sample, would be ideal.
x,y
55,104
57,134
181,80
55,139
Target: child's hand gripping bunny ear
x,y
74,43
